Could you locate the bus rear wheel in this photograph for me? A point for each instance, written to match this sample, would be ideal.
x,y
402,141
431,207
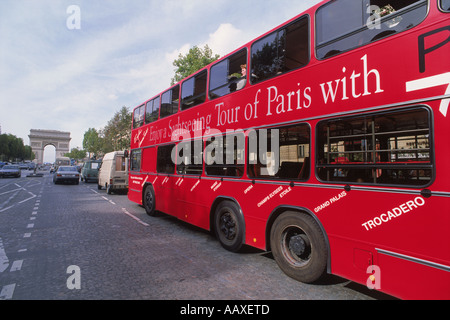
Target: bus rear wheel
x,y
149,201
299,247
229,226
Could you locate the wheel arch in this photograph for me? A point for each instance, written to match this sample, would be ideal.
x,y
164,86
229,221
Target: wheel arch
x,y
301,210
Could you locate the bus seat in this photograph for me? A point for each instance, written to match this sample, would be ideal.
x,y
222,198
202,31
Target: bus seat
x,y
304,172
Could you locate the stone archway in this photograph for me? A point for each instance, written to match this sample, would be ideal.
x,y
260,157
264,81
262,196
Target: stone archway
x,y
39,139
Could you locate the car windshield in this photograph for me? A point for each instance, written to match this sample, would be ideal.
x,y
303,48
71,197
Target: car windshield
x,y
67,169
11,167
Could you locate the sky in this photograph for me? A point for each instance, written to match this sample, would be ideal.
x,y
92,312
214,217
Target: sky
x,y
70,65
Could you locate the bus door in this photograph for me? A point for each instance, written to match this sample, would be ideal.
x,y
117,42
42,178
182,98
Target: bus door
x,y
191,204
165,184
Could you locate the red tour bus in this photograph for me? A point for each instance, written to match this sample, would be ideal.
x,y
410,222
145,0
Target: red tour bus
x,y
325,141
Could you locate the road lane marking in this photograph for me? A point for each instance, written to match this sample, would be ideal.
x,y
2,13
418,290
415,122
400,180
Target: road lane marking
x,y
110,201
135,218
6,208
9,199
11,191
16,266
27,235
94,191
32,197
7,292
4,261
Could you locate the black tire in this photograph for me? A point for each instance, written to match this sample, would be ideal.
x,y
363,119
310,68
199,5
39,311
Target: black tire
x,y
299,247
99,187
229,226
149,201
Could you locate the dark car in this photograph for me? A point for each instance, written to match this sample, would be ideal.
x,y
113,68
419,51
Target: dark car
x,y
66,174
10,170
90,170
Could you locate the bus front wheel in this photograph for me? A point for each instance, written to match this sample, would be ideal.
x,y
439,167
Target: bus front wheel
x,y
229,226
299,247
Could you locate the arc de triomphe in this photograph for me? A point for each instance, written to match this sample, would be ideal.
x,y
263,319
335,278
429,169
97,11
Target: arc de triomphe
x,y
39,139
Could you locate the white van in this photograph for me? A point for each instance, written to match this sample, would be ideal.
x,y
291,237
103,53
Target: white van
x,y
113,173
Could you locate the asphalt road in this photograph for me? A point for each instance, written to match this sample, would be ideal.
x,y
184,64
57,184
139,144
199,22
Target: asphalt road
x,y
74,242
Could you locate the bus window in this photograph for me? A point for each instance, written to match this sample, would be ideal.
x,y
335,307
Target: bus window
x,y
389,148
445,5
225,155
280,153
164,162
190,157
135,160
282,51
346,24
138,117
193,91
152,110
226,76
169,102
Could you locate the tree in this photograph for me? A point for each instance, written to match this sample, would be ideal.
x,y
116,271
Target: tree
x,y
4,148
76,153
13,149
91,141
193,61
29,154
116,135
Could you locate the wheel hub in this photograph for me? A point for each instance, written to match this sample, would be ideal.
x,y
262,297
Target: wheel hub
x,y
228,226
297,245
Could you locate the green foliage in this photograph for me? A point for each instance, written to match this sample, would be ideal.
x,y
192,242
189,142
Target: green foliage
x,y
13,149
76,153
115,136
91,141
193,61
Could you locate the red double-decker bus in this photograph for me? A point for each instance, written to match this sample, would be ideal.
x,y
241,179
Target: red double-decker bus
x,y
324,140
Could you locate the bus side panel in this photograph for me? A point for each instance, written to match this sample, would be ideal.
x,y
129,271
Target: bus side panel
x,y
410,280
165,196
192,204
135,188
149,160
357,223
405,224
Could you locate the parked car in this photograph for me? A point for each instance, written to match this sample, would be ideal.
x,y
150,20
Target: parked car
x,y
10,170
90,170
113,174
23,166
66,174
